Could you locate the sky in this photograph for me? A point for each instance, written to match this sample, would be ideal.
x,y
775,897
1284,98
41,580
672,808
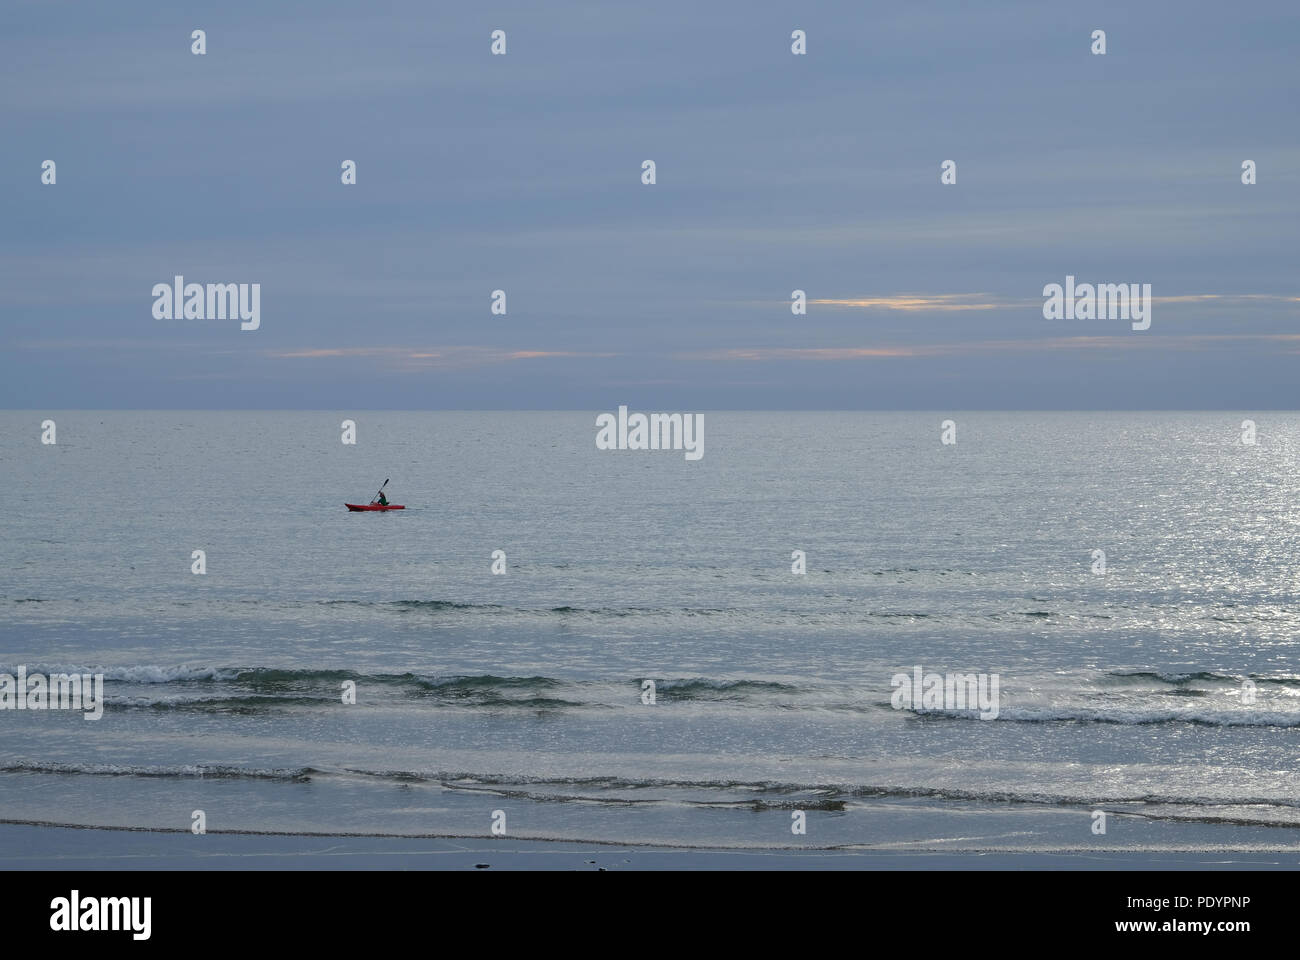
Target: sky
x,y
774,172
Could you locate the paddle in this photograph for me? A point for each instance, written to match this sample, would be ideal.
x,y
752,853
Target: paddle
x,y
381,490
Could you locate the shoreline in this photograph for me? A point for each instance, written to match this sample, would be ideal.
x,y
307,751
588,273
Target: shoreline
x,y
30,847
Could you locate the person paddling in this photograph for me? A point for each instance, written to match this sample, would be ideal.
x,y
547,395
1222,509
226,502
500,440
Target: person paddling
x,y
378,502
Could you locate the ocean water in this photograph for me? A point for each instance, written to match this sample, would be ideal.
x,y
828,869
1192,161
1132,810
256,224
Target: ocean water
x,y
1121,692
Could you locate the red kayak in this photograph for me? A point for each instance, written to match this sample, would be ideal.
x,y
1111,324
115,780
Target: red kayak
x,y
374,506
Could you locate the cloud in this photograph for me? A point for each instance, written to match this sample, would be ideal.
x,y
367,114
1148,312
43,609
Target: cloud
x,y
420,358
1120,342
923,301
927,302
806,353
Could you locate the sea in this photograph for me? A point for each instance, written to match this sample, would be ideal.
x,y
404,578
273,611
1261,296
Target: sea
x,y
554,641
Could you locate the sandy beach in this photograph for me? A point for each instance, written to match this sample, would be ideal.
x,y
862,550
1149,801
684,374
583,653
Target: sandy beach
x,y
30,847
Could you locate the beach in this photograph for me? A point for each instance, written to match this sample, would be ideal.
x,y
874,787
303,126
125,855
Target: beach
x,y
60,848
879,651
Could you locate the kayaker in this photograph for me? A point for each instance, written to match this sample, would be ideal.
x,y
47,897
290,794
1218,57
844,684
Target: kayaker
x,y
383,500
